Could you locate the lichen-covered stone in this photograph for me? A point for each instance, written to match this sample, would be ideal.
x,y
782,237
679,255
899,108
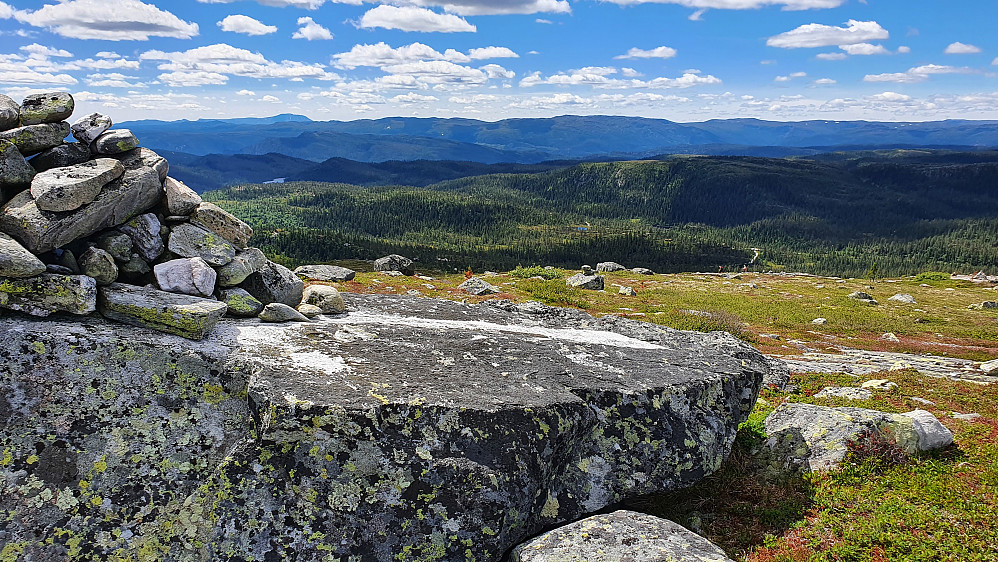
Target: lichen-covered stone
x,y
116,141
61,156
144,230
32,139
135,270
191,241
100,265
10,113
14,169
190,276
621,535
86,129
326,298
118,244
143,157
279,312
50,107
16,260
395,262
40,231
182,315
275,283
221,222
71,187
477,286
241,304
48,293
325,273
245,263
180,199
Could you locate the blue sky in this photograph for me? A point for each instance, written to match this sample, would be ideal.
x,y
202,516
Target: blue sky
x,y
684,60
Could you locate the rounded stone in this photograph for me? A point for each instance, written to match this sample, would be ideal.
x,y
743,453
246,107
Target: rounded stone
x,y
46,108
116,141
10,113
280,312
69,188
309,310
100,265
16,261
118,244
326,298
241,304
189,276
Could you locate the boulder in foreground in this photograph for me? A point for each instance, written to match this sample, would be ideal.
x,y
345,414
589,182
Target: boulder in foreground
x,y
48,293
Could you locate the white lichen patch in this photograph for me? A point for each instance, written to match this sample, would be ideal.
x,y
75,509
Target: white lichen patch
x,y
316,360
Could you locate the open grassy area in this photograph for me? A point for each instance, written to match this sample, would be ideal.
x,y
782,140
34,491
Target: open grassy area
x,y
941,506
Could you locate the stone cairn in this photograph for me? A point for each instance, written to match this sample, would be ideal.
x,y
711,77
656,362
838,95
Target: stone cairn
x,y
97,225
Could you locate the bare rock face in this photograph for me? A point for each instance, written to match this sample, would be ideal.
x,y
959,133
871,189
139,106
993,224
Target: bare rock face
x,y
49,293
32,139
69,188
40,231
46,108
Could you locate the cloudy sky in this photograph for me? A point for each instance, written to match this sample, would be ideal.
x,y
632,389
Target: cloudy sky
x,y
684,60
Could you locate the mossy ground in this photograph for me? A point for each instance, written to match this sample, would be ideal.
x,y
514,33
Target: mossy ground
x,y
937,506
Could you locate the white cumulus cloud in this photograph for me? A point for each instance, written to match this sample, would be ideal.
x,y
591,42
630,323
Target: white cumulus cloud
x,y
121,20
892,97
831,56
917,74
311,30
959,48
740,4
824,81
6,11
819,35
656,53
411,18
413,97
304,4
492,53
238,23
211,63
865,49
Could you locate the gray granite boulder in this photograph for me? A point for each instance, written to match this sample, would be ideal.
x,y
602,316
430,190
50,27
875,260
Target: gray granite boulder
x,y
144,158
32,139
120,200
618,536
584,281
14,169
189,276
609,266
642,271
144,230
46,108
245,263
180,199
395,262
241,304
221,222
86,129
61,156
182,315
69,188
191,241
116,141
275,283
903,298
309,310
325,273
118,244
16,261
476,286
326,298
48,293
280,312
100,265
10,113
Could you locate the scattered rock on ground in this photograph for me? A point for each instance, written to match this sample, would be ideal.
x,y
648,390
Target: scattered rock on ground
x,y
990,367
903,298
819,321
280,312
889,337
327,298
642,271
395,262
310,310
778,375
862,297
984,305
183,315
586,280
325,273
879,384
844,392
609,266
628,291
478,287
275,283
965,417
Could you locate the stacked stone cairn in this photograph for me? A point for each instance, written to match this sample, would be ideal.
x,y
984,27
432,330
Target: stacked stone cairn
x,y
97,225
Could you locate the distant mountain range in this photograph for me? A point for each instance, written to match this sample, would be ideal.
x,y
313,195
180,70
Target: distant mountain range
x,y
538,140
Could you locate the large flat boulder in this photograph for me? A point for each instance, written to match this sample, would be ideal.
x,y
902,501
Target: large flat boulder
x,y
40,231
183,315
49,293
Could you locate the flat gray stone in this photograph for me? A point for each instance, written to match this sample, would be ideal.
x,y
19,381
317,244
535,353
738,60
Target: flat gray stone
x,y
182,315
245,263
280,312
61,156
476,286
621,535
40,231
325,273
583,281
221,222
10,113
14,169
275,283
326,298
845,392
32,139
191,241
144,230
180,199
143,157
16,260
48,293
395,262
69,188
50,107
86,129
642,271
241,304
100,265
609,266
189,276
116,141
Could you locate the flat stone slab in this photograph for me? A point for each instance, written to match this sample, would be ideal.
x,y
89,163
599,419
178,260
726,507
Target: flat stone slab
x,y
49,293
183,315
862,362
621,535
71,187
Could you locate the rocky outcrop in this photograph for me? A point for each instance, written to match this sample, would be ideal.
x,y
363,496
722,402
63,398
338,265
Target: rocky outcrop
x,y
395,262
586,280
408,429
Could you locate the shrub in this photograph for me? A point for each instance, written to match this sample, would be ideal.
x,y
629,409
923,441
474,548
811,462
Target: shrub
x,y
932,276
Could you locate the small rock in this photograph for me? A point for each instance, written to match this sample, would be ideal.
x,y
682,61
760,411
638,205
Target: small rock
x,y
879,384
628,291
144,230
310,310
990,367
10,113
771,336
889,337
191,241
931,434
395,262
280,312
325,273
478,287
983,305
144,158
275,283
135,268
609,266
241,304
189,276
16,261
46,108
246,263
922,401
87,129
68,154
862,297
100,265
965,417
903,298
69,188
32,139
221,222
47,293
180,199
327,298
642,271
844,392
117,141
14,169
67,259
819,321
584,281
183,315
118,244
